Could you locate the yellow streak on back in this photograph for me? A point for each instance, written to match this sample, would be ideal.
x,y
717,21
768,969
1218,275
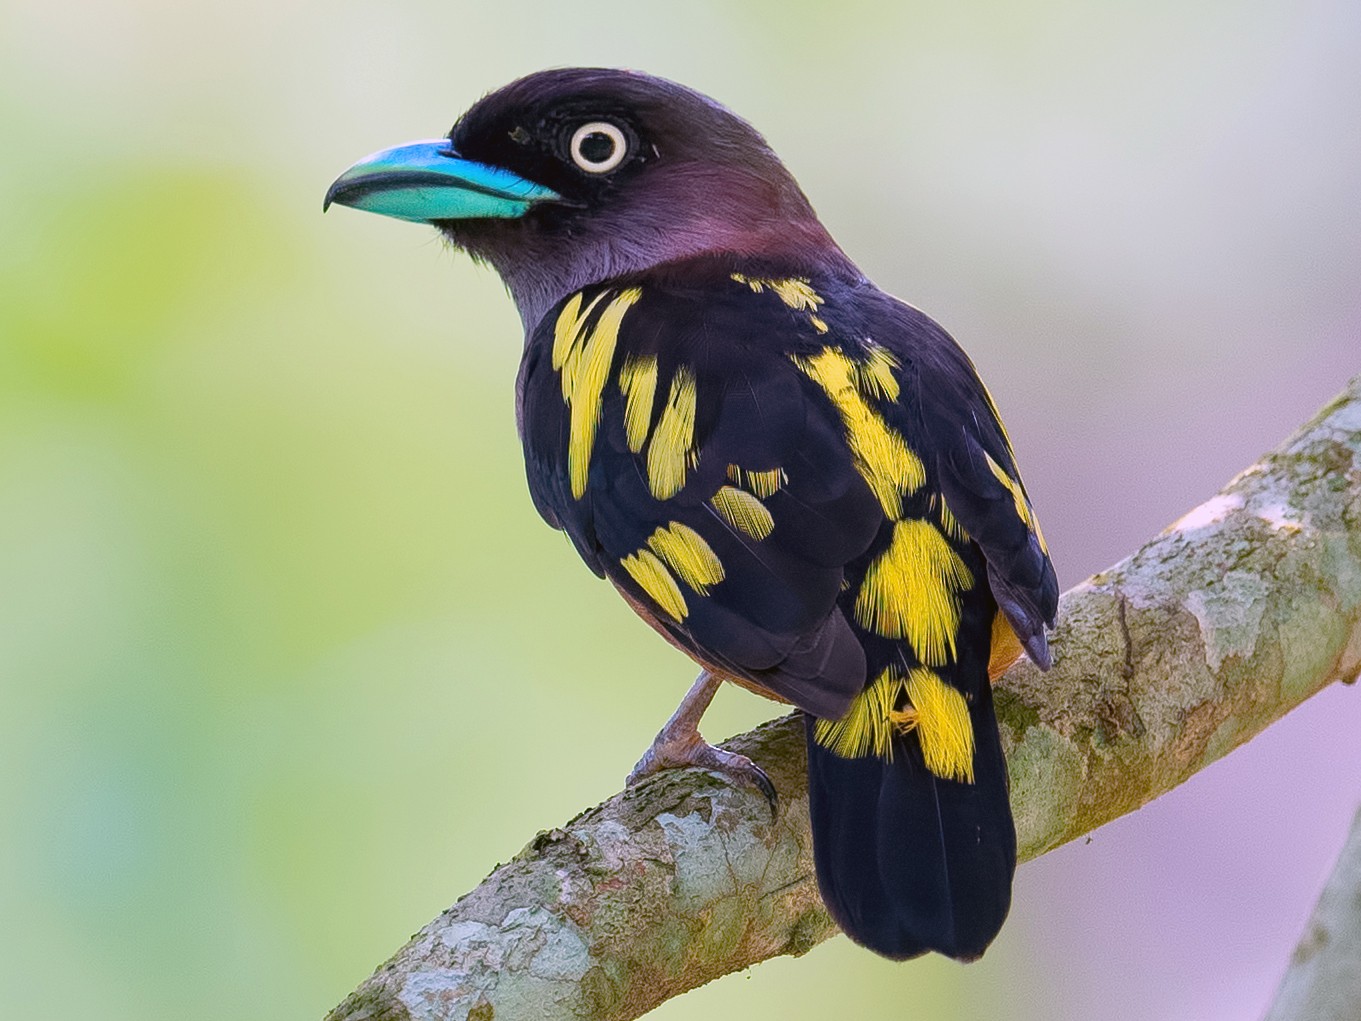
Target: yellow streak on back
x,y
654,579
943,726
638,382
743,511
880,453
687,553
1023,509
875,374
669,453
762,484
912,590
585,364
796,292
867,726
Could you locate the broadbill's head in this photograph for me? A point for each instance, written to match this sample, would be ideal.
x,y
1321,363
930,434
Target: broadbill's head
x,y
578,175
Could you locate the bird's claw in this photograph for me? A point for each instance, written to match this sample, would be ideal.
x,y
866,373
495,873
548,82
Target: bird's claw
x,y
694,751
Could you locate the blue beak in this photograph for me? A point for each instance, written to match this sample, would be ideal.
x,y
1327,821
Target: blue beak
x,y
427,181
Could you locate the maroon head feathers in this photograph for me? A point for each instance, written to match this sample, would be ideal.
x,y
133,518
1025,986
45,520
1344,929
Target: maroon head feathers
x,y
649,172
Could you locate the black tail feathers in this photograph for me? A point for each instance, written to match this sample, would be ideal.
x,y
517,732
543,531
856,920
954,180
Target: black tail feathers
x,y
909,862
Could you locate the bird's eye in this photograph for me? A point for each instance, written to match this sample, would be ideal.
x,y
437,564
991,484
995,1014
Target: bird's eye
x,y
598,147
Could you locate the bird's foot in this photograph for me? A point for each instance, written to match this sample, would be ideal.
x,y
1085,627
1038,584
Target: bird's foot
x,y
678,750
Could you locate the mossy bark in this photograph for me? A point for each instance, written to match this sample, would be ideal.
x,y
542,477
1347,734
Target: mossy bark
x,y
1162,664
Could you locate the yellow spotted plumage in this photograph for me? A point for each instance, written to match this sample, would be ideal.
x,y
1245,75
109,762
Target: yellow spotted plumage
x,y
868,725
914,581
796,292
941,720
883,457
688,555
760,484
671,449
794,477
805,519
653,577
897,701
582,353
911,588
744,511
912,591
638,381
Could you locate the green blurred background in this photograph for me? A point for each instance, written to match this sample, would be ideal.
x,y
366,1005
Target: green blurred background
x,y
287,662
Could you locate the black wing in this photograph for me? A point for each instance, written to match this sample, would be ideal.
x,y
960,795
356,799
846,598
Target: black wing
x,y
976,469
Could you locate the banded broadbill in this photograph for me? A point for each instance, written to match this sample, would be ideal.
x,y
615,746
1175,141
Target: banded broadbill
x,y
794,477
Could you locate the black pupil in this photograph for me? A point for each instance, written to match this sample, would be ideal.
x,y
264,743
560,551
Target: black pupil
x,y
597,147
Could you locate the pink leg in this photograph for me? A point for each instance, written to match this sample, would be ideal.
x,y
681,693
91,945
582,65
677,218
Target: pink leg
x,y
678,744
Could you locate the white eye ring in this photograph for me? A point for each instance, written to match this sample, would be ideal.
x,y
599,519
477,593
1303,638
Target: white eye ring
x,y
610,131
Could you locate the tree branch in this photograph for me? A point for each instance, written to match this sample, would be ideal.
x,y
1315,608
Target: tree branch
x,y
1162,664
1323,982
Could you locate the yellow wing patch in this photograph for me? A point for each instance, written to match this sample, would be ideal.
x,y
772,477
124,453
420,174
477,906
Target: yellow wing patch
x,y
881,455
760,484
638,383
670,453
567,330
672,551
688,555
653,578
583,356
912,589
1023,508
743,511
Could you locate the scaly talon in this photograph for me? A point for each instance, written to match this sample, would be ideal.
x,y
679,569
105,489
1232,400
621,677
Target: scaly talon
x,y
679,745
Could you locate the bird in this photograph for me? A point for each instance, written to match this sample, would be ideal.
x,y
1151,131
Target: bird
x,y
792,476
